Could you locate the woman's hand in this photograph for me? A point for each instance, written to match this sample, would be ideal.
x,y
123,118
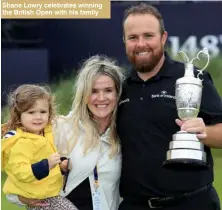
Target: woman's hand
x,y
32,202
64,165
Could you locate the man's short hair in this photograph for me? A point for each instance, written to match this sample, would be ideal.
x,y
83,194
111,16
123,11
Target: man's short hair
x,y
144,8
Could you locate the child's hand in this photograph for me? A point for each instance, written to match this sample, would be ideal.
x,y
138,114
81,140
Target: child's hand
x,y
53,160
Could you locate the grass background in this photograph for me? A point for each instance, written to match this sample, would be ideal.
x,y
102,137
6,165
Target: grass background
x,y
64,96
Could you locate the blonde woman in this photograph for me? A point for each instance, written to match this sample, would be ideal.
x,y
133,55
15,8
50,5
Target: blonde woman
x,y
87,136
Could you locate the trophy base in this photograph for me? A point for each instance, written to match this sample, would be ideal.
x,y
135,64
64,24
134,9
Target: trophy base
x,y
186,151
184,164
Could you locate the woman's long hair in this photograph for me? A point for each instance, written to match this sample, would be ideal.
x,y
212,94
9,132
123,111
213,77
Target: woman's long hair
x,y
92,68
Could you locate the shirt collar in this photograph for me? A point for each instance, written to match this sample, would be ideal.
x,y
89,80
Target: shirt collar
x,y
106,136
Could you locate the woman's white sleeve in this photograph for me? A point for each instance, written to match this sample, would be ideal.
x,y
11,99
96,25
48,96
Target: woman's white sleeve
x,y
13,198
60,128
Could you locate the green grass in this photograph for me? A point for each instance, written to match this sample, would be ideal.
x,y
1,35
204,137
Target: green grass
x,y
218,176
63,91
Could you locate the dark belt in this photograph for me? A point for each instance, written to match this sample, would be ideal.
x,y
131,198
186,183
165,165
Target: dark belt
x,y
160,202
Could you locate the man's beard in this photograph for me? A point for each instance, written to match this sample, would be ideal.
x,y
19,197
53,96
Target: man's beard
x,y
146,65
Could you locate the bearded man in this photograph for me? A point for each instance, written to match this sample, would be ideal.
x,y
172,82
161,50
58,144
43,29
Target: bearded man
x,y
147,119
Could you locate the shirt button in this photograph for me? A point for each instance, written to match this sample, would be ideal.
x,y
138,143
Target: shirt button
x,y
144,85
141,98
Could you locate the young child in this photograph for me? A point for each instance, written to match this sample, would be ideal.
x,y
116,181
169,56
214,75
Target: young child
x,y
29,156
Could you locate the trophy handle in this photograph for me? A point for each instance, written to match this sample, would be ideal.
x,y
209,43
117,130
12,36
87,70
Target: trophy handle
x,y
206,53
184,56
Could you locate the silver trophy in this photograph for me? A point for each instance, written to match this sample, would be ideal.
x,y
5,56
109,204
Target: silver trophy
x,y
186,148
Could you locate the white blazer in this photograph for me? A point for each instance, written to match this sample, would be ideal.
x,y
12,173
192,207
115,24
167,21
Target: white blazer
x,y
82,166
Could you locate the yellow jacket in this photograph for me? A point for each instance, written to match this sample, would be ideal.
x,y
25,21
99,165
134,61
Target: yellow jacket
x,y
18,153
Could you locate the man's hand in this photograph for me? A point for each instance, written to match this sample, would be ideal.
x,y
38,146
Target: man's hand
x,y
195,125
53,160
32,202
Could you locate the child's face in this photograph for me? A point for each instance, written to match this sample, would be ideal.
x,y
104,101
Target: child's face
x,y
36,118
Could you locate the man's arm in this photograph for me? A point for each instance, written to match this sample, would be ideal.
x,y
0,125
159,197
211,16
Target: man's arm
x,y
210,135
214,136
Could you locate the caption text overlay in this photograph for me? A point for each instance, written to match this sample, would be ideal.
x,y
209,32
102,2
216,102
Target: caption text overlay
x,y
49,9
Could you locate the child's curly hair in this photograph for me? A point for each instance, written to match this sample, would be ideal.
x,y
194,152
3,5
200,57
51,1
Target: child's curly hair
x,y
24,98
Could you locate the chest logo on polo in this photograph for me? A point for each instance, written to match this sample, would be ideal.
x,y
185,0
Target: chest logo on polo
x,y
124,101
163,94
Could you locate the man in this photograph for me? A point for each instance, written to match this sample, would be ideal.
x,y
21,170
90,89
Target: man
x,y
146,123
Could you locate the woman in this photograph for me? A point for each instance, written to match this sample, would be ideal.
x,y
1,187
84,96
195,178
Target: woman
x,y
87,136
